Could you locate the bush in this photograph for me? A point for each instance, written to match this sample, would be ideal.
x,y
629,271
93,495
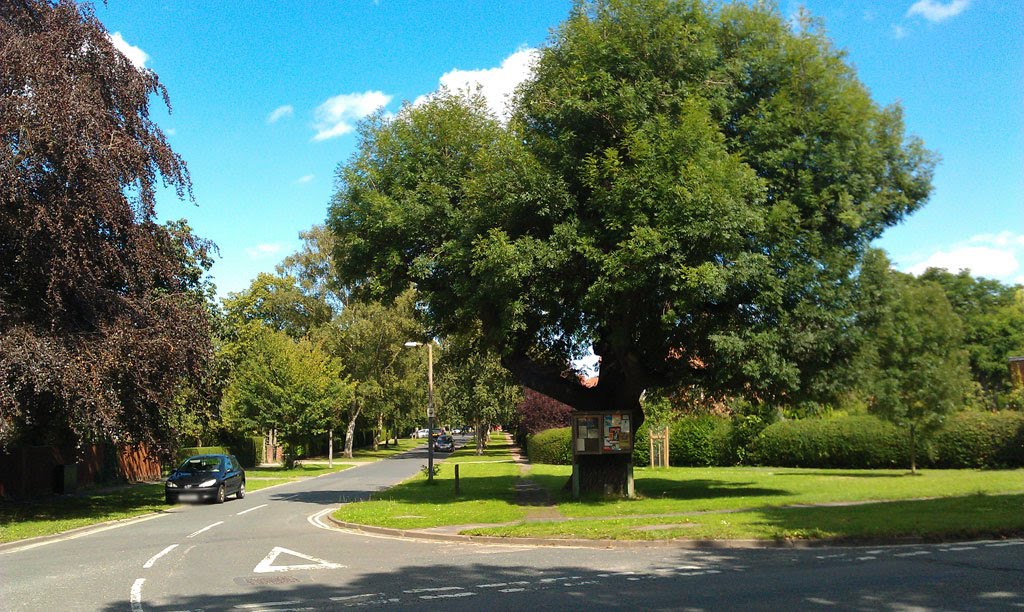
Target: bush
x,y
248,451
185,453
861,442
553,446
981,440
693,441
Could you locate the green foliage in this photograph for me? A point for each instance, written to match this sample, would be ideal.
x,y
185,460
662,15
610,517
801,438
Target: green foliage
x,y
190,451
981,440
279,303
283,384
675,177
553,446
849,442
699,442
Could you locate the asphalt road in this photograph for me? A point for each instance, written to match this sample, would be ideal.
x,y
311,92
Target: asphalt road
x,y
275,551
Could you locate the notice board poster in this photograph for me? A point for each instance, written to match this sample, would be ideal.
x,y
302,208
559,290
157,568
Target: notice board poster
x,y
601,433
617,438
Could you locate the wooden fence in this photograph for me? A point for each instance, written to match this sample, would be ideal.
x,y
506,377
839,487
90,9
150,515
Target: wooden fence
x,y
37,470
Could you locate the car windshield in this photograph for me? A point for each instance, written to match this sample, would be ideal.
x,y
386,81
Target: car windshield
x,y
200,464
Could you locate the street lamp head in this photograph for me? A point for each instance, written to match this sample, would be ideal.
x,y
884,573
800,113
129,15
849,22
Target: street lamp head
x,y
411,343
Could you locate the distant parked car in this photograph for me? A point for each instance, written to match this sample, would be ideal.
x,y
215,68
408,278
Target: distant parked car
x,y
206,477
444,444
421,433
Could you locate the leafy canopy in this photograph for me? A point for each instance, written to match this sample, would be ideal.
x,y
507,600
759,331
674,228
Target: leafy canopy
x,y
688,190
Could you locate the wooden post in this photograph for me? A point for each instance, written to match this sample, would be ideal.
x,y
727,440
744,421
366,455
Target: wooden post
x,y
456,478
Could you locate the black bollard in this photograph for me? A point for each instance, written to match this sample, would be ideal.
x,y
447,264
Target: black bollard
x,y
456,478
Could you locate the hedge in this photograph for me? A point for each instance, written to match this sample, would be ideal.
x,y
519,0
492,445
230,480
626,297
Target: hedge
x,y
552,446
859,442
249,451
981,439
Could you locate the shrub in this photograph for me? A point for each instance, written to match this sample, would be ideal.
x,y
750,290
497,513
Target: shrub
x,y
185,453
981,439
700,442
848,442
552,446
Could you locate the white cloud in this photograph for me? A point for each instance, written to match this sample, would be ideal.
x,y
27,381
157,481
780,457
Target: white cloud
x,y
305,179
899,31
496,84
263,251
936,11
280,113
135,55
338,115
995,256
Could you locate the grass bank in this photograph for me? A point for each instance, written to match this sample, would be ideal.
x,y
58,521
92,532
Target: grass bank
x,y
711,503
55,514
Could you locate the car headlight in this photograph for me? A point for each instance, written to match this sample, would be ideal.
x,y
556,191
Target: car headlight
x,y
208,483
171,485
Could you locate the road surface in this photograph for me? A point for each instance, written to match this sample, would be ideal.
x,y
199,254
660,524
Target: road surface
x,y
274,550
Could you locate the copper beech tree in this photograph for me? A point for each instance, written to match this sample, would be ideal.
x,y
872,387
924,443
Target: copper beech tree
x,y
100,322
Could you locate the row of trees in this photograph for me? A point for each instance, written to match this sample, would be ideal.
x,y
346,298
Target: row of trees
x,y
688,190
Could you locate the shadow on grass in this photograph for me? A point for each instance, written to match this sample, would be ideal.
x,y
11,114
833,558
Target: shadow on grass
x,y
22,519
895,473
970,516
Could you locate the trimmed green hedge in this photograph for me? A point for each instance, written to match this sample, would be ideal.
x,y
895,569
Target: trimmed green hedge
x,y
857,442
249,451
967,440
981,440
552,446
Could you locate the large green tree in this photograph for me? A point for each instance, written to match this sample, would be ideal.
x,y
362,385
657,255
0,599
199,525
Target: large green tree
x,y
291,386
686,189
98,321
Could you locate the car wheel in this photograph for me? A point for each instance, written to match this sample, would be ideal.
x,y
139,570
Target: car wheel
x,y
241,491
220,494
170,499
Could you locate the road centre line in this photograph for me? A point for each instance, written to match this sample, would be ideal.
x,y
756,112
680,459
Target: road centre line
x,y
351,597
152,560
207,528
267,603
913,554
448,595
251,509
136,595
433,590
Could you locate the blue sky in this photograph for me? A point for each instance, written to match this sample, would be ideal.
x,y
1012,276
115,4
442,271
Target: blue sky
x,y
266,95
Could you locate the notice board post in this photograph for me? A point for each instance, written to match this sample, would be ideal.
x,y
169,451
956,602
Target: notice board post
x,y
602,448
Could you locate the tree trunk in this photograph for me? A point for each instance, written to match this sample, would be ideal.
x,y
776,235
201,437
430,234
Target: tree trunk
x,y
379,431
913,451
350,431
330,447
479,437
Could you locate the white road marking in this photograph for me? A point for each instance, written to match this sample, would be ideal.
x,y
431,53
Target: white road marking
x,y
448,595
316,520
433,590
961,548
351,597
207,528
913,554
1001,544
511,590
85,532
136,595
251,509
267,564
152,560
267,603
867,558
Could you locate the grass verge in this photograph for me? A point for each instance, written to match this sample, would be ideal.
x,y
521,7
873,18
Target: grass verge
x,y
486,494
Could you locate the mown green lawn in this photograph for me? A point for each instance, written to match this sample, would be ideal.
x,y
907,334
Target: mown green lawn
x,y
54,514
486,493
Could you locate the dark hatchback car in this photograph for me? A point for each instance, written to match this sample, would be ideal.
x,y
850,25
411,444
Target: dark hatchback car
x,y
206,477
445,444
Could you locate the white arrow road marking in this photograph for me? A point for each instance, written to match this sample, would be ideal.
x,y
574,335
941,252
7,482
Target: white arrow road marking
x,y
136,595
163,552
267,564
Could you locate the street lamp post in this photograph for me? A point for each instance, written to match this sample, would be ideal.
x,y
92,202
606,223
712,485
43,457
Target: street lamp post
x,y
430,407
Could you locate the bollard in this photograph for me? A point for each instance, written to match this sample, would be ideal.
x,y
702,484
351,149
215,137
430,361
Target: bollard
x,y
456,478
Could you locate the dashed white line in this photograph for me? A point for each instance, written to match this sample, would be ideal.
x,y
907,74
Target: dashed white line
x,y
207,528
1001,544
961,548
266,603
353,597
433,590
251,509
152,560
913,554
136,595
448,595
515,590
